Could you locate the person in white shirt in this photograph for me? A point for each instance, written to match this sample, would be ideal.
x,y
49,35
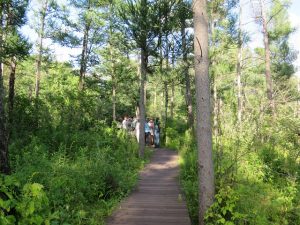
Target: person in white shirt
x,y
125,123
137,130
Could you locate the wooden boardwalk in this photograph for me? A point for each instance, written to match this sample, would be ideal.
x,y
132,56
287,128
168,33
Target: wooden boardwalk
x,y
156,199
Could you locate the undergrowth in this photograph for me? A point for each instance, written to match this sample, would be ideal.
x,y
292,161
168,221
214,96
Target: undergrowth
x,y
257,175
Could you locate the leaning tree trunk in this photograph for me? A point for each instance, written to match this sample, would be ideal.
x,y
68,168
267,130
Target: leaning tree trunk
x,y
40,49
204,131
142,111
188,93
267,59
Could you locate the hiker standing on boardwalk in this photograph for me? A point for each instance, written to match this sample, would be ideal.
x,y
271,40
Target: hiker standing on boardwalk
x,y
151,136
156,133
125,123
137,129
147,133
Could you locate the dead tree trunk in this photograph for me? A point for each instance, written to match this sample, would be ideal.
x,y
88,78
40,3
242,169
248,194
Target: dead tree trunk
x,y
204,131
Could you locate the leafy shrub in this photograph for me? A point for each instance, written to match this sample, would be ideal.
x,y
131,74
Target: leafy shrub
x,y
224,209
23,205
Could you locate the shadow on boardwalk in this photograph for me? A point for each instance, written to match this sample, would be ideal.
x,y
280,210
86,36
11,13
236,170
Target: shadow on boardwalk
x,y
157,199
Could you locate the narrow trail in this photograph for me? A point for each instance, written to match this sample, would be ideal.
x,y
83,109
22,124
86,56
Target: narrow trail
x,y
156,199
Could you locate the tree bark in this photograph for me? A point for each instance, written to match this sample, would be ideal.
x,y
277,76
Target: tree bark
x,y
166,84
142,114
4,162
267,58
188,93
204,131
166,103
113,68
40,49
173,82
83,60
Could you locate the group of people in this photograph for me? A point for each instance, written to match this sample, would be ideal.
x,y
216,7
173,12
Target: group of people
x,y
152,129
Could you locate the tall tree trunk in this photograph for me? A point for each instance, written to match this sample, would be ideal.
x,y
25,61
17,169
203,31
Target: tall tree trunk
x,y
4,162
142,114
267,58
239,68
83,60
113,67
166,85
166,105
173,82
40,49
11,94
204,131
188,93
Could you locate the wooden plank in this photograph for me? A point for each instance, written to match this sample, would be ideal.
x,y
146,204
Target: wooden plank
x,y
157,199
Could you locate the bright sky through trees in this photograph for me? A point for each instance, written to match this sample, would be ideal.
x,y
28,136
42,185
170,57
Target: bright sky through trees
x,y
294,12
64,53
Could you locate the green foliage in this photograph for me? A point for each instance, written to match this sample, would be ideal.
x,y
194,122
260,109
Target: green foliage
x,y
258,186
100,169
26,204
69,166
223,210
